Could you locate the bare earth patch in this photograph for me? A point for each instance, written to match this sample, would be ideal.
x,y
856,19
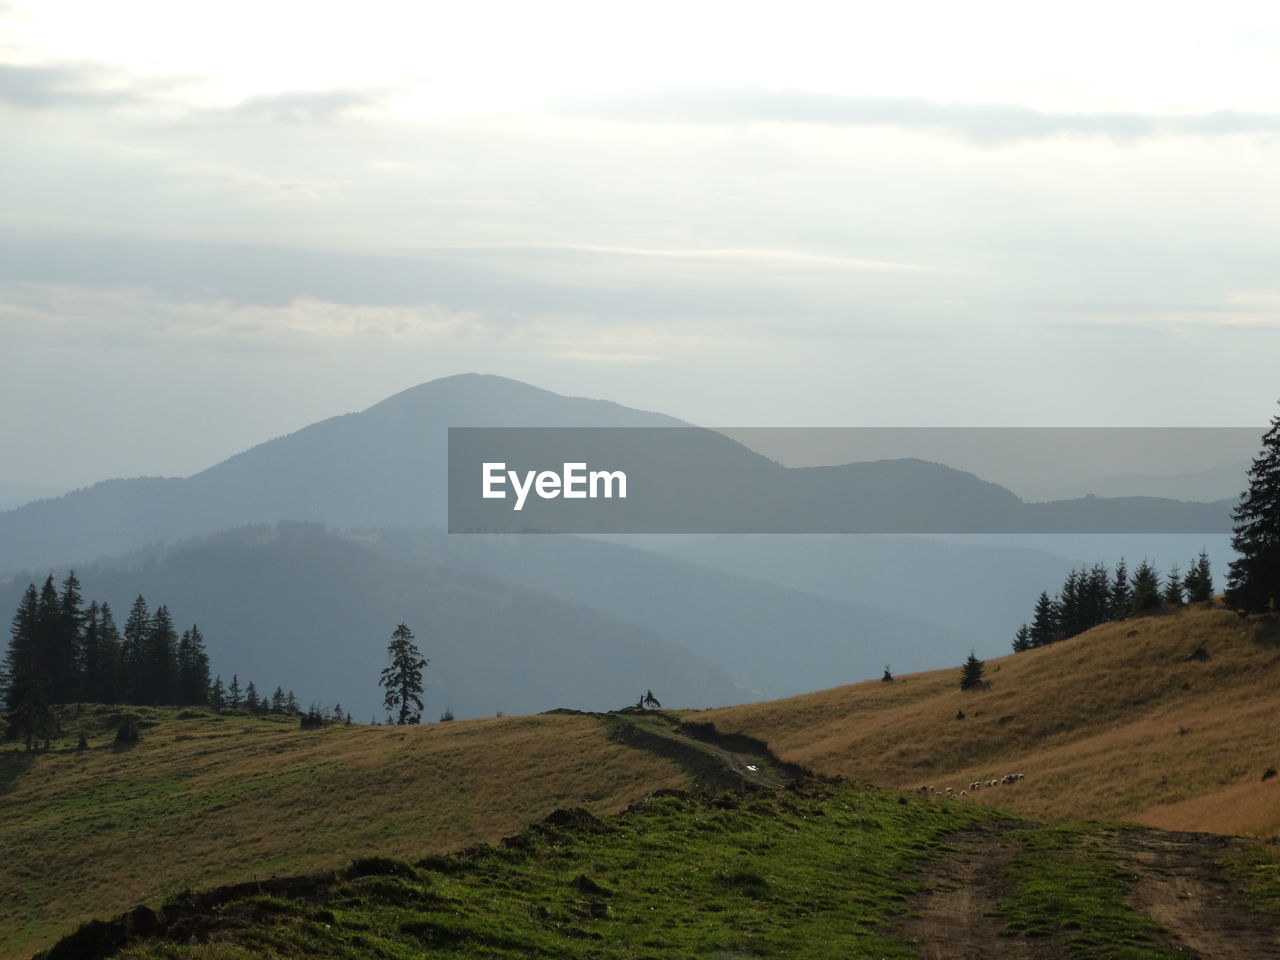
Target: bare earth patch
x,y
955,918
1180,887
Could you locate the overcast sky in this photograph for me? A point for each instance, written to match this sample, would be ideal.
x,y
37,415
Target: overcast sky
x,y
222,222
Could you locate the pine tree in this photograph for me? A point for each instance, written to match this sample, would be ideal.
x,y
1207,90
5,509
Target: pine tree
x,y
66,637
251,701
133,651
1121,595
1146,589
403,677
106,683
193,668
26,688
1199,580
160,660
971,672
234,698
1044,623
291,704
1253,582
218,694
1022,639
1173,587
278,701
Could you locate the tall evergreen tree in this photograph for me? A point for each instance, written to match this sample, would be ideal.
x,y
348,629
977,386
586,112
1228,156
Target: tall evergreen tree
x,y
65,657
1253,582
218,694
160,660
133,652
403,676
26,675
1044,624
234,698
251,701
1146,589
1173,587
1021,639
1121,595
193,668
277,700
1199,580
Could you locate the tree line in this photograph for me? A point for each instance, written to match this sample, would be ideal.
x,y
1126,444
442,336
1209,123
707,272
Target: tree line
x,y
1094,595
62,651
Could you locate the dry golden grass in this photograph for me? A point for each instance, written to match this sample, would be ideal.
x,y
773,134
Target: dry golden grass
x,y
205,801
1115,724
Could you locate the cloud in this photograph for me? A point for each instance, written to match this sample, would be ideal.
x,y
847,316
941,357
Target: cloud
x,y
49,86
987,123
307,106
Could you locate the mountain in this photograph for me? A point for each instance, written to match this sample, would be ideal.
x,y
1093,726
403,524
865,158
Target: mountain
x,y
311,610
386,466
771,640
383,466
13,495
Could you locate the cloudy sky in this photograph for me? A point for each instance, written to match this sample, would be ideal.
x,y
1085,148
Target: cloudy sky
x,y
222,222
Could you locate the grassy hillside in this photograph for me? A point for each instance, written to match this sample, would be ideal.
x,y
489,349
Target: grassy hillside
x,y
823,870
1168,720
206,799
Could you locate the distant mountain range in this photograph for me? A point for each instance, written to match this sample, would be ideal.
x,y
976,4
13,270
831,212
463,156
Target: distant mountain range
x,y
523,623
386,466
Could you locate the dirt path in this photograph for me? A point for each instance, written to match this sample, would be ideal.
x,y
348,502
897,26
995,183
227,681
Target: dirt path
x,y
1177,883
1180,887
955,918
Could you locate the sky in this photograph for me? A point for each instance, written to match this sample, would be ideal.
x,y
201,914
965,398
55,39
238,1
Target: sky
x,y
220,223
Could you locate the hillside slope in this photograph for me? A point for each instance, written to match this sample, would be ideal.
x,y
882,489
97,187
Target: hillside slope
x,y
205,800
1167,720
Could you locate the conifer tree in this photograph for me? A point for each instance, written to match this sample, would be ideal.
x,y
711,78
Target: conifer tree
x,y
218,694
1044,624
278,700
403,677
971,672
160,660
1146,589
251,701
133,649
65,636
193,668
234,697
26,675
1121,595
1173,587
107,682
1022,639
1253,582
291,704
1199,580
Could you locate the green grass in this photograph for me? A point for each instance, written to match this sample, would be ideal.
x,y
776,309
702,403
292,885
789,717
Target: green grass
x,y
1068,885
1254,870
816,872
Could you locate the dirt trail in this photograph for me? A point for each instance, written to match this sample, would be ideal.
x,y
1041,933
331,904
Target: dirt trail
x,y
955,918
1177,883
1180,887
714,761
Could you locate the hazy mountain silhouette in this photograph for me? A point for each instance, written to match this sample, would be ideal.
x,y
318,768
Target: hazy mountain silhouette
x,y
313,610
386,466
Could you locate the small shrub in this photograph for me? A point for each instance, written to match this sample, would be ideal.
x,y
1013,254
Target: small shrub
x,y
312,719
127,730
446,716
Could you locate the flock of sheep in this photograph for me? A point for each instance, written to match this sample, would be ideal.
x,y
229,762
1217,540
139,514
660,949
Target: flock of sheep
x,y
1006,780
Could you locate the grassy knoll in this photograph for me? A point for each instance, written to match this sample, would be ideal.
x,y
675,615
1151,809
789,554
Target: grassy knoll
x,y
206,799
818,871
1168,720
